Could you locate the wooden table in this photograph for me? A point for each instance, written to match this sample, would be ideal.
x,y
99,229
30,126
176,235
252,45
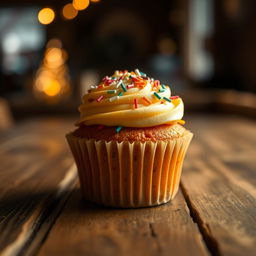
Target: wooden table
x,y
214,213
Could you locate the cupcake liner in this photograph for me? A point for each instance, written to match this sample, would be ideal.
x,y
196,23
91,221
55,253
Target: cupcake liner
x,y
124,174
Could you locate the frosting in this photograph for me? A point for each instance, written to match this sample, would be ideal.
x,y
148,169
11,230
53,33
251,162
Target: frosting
x,y
130,99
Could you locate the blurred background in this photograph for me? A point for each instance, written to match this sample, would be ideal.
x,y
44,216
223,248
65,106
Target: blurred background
x,y
52,51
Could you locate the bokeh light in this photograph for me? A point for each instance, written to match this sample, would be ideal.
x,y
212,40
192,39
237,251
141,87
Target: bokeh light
x,y
52,82
69,12
46,16
54,43
52,88
81,4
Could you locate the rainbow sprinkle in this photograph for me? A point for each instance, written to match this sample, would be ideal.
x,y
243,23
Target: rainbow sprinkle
x,y
135,103
119,128
120,94
157,95
147,100
137,72
129,86
161,90
156,83
100,98
123,87
174,97
165,98
142,74
111,91
119,83
104,79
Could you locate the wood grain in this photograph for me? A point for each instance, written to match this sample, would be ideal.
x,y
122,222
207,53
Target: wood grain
x,y
87,229
219,184
36,175
42,213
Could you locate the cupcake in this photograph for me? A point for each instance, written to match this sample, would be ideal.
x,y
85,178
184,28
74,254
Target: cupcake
x,y
130,142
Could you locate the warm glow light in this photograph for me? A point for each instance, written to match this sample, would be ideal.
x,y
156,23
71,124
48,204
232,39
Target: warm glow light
x,y
54,43
69,12
54,58
52,81
95,1
81,4
46,16
52,88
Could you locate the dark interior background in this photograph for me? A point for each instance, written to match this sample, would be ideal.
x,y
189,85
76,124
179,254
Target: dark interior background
x,y
205,50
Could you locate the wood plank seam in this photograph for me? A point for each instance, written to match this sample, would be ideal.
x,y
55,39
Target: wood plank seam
x,y
204,228
155,237
35,231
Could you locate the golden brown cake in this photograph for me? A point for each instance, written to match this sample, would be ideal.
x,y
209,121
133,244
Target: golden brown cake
x,y
129,145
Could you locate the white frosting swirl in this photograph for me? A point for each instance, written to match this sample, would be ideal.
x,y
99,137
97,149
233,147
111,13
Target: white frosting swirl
x,y
143,105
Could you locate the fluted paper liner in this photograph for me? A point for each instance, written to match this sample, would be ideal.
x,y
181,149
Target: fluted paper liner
x,y
124,174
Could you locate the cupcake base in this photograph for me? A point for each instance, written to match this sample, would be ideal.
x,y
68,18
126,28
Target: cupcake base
x,y
129,175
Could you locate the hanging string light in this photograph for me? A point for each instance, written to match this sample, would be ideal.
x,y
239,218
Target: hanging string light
x,y
46,16
69,12
81,4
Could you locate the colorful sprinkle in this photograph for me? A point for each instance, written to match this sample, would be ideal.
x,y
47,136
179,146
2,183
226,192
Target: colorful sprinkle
x,y
113,98
120,94
156,83
140,85
110,81
174,97
142,74
136,79
157,95
123,87
121,77
163,86
100,98
161,90
93,87
165,98
129,86
119,83
135,103
137,72
111,91
105,79
119,128
147,100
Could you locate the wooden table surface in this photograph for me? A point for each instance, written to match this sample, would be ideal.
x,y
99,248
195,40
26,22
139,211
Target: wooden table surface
x,y
214,213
